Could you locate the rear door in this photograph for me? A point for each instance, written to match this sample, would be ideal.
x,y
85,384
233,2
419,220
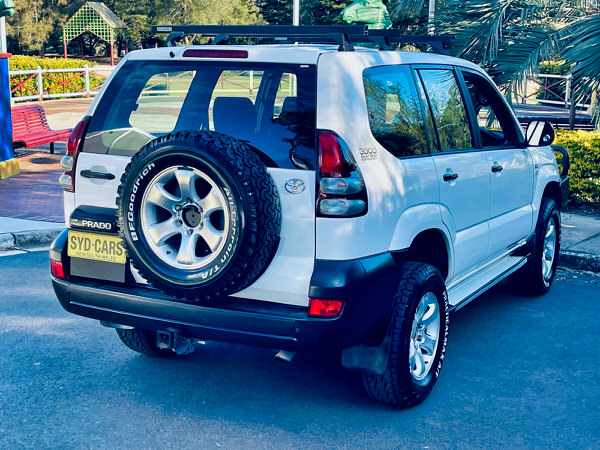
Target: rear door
x,y
271,107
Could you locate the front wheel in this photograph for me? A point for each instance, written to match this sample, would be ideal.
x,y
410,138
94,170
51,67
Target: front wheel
x,y
536,277
418,332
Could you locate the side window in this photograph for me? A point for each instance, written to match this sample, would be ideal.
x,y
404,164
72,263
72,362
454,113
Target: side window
x,y
160,102
395,114
447,108
433,142
496,125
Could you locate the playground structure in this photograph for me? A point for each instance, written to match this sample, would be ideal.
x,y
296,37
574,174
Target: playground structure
x,y
99,20
9,166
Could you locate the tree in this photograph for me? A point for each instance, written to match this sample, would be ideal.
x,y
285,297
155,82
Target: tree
x,y
233,12
33,23
322,12
276,12
509,38
37,22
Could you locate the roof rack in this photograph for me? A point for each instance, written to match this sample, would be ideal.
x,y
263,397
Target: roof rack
x,y
343,35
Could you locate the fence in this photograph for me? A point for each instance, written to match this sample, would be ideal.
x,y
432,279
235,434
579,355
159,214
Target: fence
x,y
46,84
550,89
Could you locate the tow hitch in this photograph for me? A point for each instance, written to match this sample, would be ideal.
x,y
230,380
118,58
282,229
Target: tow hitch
x,y
171,339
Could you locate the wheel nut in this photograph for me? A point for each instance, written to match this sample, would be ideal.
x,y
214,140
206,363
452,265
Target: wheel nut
x,y
189,232
178,223
177,207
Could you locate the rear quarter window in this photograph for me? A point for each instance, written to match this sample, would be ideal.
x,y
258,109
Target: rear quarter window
x,y
395,114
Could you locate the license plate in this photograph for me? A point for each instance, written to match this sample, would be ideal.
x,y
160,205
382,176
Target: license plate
x,y
96,247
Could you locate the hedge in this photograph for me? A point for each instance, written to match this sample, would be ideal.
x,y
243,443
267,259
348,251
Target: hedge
x,y
584,155
77,84
560,67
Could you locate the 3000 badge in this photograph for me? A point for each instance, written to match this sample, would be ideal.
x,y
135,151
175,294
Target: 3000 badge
x,y
97,247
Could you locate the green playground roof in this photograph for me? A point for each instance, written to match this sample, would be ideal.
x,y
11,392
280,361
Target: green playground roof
x,y
96,18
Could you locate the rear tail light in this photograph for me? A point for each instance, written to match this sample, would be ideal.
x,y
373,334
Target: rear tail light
x,y
331,156
341,207
57,269
341,186
69,161
342,190
327,308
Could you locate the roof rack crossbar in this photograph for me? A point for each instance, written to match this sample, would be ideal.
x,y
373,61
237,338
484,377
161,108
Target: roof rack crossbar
x,y
342,35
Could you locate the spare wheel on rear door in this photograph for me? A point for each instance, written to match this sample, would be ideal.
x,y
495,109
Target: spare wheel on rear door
x,y
199,214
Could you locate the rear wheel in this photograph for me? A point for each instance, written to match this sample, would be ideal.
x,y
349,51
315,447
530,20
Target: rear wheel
x,y
419,330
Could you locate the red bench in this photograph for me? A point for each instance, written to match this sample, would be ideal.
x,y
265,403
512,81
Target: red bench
x,y
30,128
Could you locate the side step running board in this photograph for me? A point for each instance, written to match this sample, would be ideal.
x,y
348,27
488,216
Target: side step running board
x,y
468,289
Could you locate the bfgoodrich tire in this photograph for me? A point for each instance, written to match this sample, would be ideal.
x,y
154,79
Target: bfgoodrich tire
x,y
419,331
199,214
536,277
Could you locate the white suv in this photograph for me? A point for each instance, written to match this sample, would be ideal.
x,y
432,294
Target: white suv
x,y
303,197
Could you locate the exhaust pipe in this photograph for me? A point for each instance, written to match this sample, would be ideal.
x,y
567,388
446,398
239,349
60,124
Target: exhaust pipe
x,y
284,355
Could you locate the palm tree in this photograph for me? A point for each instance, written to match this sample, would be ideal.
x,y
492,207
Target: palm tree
x,y
510,37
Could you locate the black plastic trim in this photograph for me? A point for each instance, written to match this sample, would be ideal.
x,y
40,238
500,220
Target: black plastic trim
x,y
94,218
367,286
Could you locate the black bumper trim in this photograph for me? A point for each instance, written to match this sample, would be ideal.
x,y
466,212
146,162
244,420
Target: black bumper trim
x,y
194,321
184,324
366,286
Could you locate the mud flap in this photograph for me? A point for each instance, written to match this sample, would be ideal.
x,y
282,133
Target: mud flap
x,y
372,359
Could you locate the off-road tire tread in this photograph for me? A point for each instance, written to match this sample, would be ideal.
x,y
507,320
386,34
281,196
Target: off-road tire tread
x,y
263,213
528,279
391,387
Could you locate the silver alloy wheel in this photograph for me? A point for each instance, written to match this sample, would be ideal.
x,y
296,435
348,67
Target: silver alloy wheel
x,y
172,207
424,336
549,250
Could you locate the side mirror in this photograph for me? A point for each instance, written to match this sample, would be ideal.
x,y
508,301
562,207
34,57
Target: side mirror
x,y
539,133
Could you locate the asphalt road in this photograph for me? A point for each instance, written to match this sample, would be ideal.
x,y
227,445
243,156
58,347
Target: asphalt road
x,y
519,372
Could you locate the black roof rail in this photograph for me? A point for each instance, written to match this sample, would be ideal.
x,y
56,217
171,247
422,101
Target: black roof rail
x,y
343,35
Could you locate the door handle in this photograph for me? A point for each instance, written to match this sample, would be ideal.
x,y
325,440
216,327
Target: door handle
x,y
98,175
497,168
450,176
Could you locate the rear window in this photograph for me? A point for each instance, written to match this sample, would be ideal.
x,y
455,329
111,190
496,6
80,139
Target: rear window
x,y
269,106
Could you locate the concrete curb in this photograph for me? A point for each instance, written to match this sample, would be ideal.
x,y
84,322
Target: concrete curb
x,y
28,239
579,261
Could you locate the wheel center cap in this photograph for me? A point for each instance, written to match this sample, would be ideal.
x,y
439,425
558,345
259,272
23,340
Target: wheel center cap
x,y
192,216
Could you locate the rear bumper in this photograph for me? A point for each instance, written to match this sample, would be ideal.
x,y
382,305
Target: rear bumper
x,y
367,287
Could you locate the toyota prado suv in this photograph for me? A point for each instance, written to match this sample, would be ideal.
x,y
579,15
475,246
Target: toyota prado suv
x,y
304,195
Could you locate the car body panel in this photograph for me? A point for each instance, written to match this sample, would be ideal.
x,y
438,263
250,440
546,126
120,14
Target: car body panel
x,y
325,256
